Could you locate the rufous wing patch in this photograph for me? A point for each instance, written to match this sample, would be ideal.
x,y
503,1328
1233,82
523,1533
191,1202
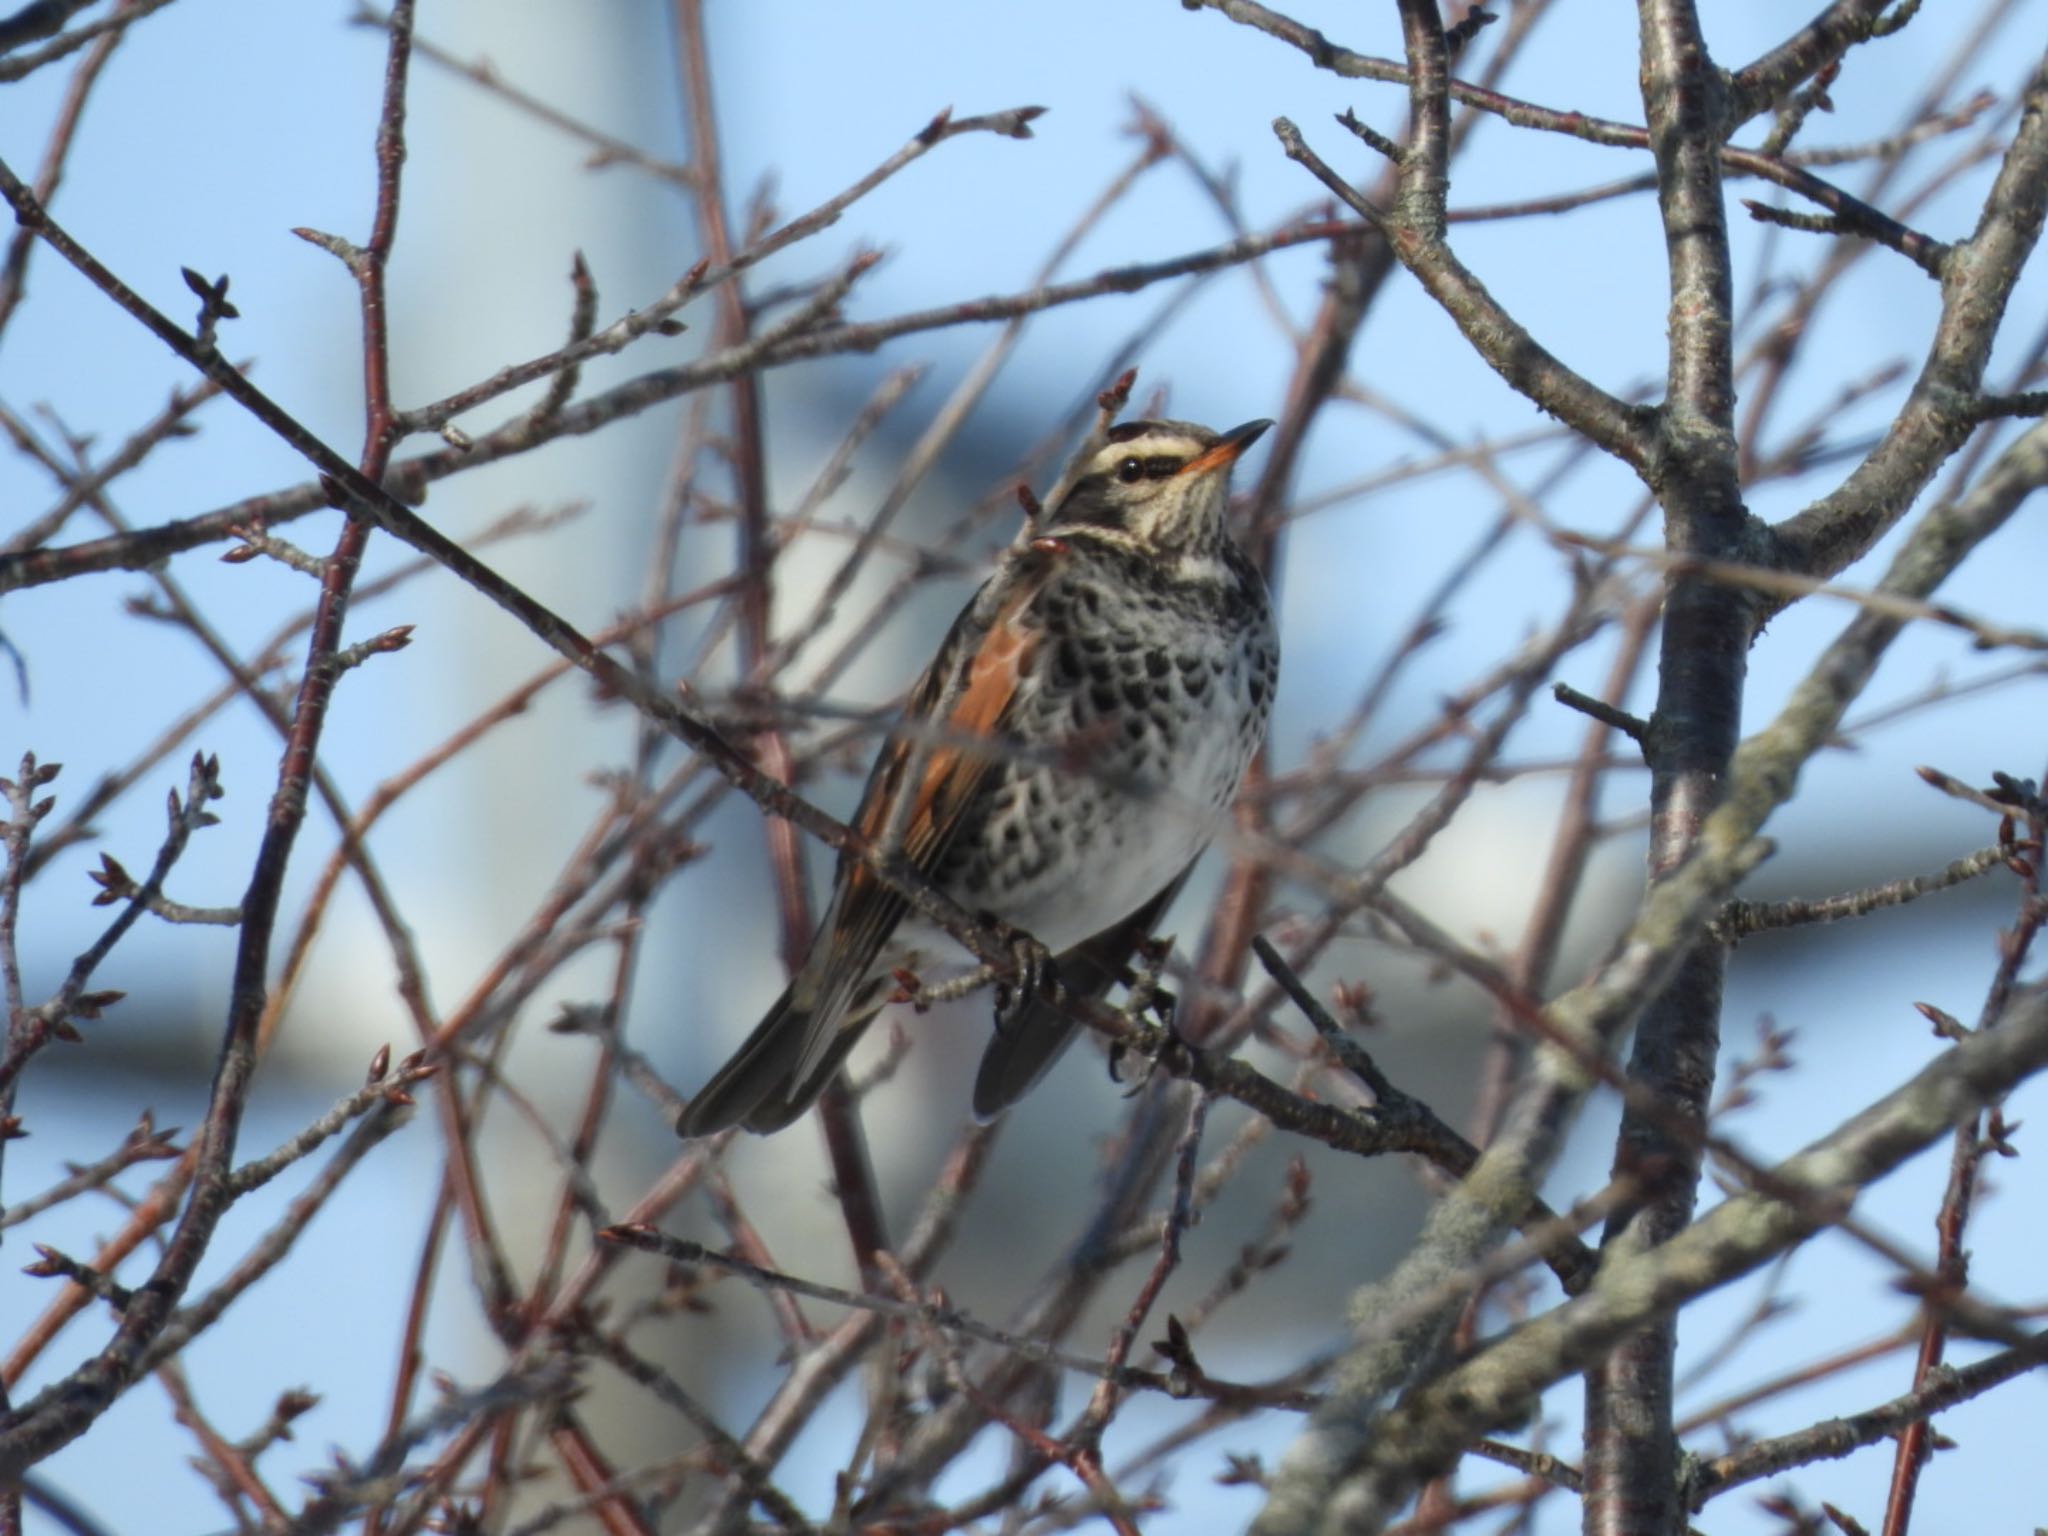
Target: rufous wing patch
x,y
953,771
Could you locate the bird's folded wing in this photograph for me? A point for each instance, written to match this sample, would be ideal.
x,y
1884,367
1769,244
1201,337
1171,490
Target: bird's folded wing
x,y
957,769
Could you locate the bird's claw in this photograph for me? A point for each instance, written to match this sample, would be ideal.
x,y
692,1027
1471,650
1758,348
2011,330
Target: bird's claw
x,y
1165,1008
1167,1049
1034,976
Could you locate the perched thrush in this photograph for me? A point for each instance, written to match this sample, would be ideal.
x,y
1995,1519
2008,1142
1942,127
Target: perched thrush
x,y
1101,698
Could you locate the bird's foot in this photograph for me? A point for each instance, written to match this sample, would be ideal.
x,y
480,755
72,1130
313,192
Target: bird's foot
x,y
1146,994
1165,1007
1034,977
1137,1059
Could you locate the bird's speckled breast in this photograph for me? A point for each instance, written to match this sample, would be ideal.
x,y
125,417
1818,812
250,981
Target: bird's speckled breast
x,y
1151,695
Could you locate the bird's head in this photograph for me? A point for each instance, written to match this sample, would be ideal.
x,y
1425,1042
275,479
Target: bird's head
x,y
1161,484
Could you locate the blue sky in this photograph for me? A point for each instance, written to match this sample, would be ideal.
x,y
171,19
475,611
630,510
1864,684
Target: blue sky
x,y
224,124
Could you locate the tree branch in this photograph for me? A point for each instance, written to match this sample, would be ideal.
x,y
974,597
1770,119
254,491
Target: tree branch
x,y
1632,1291
1941,412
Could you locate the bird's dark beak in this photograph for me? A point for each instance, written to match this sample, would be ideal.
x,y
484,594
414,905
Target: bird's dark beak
x,y
1226,449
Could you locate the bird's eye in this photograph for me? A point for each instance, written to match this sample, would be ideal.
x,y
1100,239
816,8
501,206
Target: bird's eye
x,y
1130,470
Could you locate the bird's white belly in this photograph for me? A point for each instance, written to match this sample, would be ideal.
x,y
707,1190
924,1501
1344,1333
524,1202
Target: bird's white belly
x,y
1138,843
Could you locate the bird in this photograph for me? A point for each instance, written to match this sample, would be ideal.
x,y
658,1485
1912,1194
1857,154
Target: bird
x,y
1085,724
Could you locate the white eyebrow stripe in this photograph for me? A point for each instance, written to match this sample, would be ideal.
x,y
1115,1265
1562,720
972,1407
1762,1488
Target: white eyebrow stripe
x,y
1149,446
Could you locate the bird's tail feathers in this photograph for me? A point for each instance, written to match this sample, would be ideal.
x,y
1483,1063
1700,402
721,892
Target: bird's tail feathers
x,y
763,1064
1023,1049
800,1090
787,1061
